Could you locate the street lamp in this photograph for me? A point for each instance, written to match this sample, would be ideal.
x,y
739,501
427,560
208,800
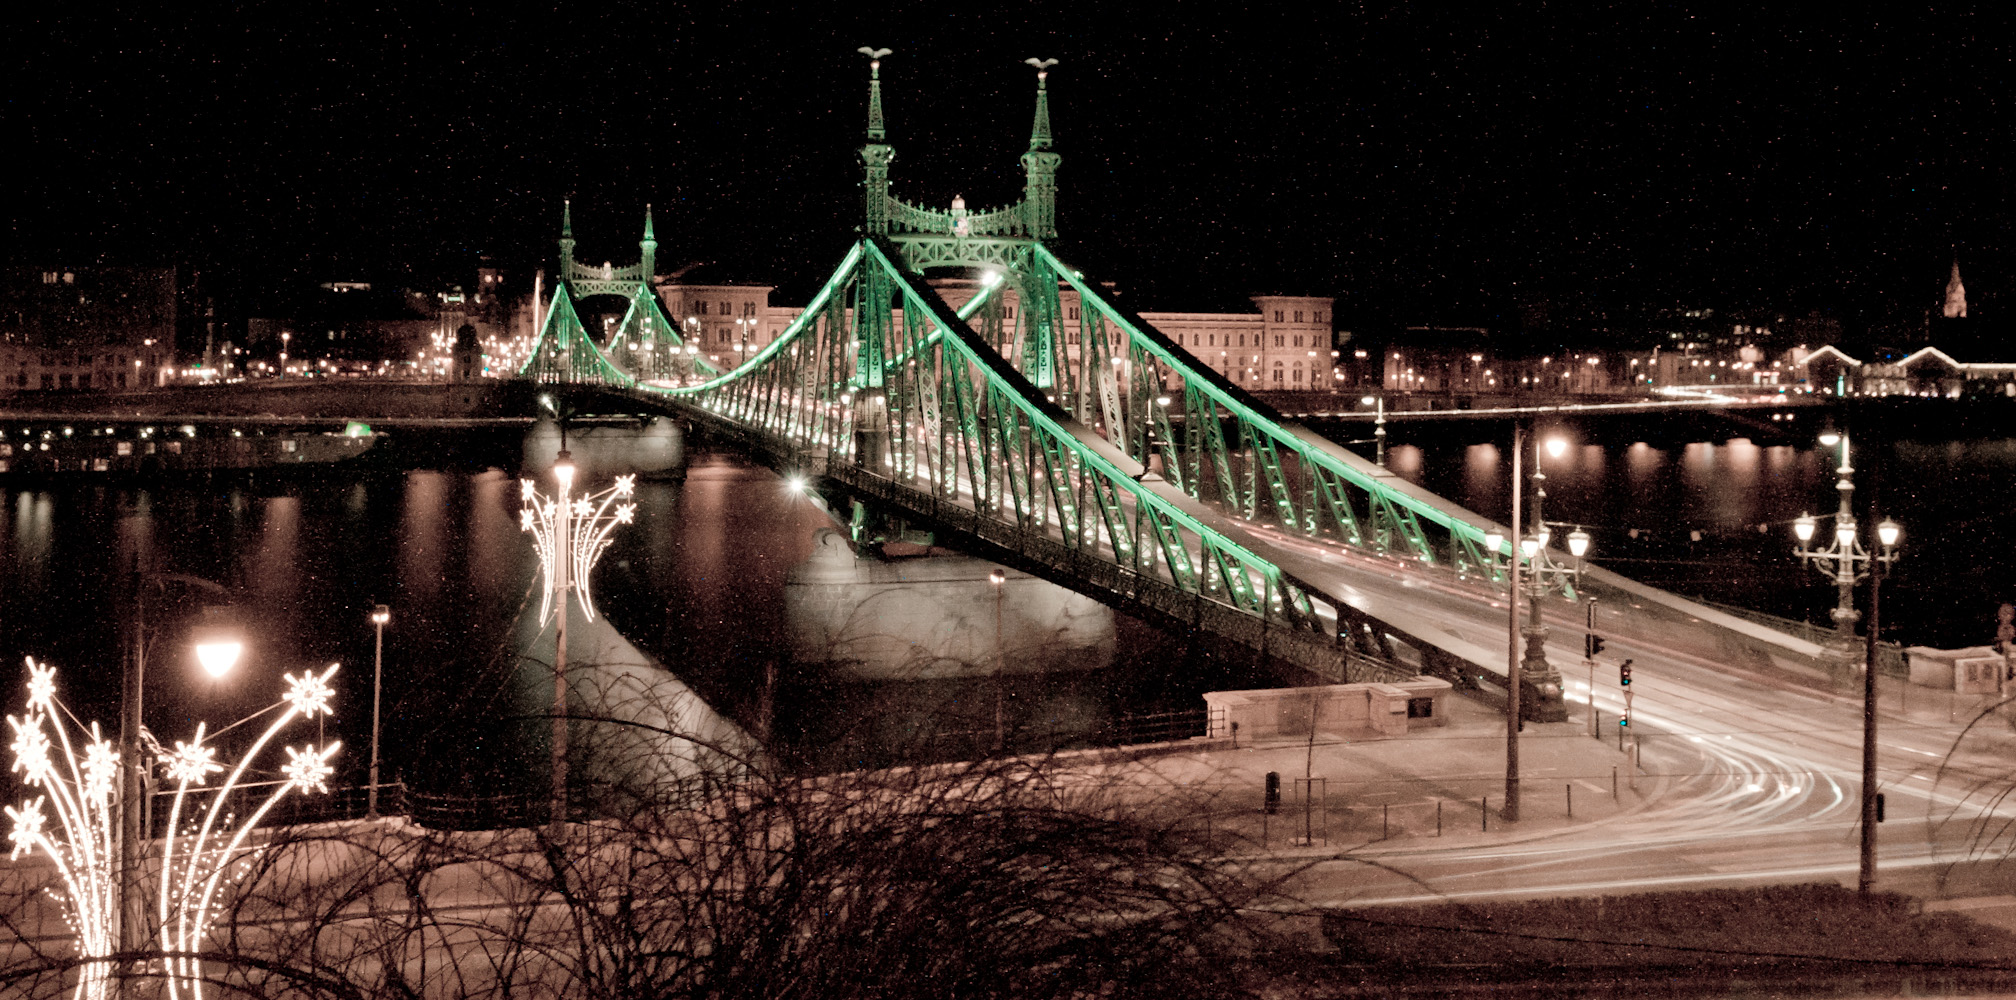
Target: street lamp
x,y
1378,428
379,616
997,576
1847,562
217,647
1542,576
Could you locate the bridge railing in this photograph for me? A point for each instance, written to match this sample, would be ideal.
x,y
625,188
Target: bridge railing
x,y
1890,657
1237,450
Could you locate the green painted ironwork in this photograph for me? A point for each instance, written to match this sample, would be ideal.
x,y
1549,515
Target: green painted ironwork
x,y
646,346
950,418
565,353
1091,441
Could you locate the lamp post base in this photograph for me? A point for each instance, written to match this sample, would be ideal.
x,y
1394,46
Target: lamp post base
x,y
1540,686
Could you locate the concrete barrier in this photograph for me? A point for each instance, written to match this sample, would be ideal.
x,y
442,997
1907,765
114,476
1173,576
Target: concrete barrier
x,y
1375,708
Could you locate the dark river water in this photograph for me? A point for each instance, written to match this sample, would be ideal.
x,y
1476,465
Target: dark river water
x,y
699,584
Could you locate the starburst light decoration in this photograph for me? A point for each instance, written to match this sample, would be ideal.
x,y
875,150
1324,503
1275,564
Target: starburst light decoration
x,y
571,533
197,858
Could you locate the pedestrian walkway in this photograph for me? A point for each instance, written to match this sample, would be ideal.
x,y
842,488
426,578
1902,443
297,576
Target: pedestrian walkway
x,y
1352,789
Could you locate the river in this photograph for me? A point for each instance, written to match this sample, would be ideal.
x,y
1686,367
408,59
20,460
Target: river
x,y
698,583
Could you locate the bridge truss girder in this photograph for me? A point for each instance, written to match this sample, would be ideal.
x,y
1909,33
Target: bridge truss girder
x,y
884,390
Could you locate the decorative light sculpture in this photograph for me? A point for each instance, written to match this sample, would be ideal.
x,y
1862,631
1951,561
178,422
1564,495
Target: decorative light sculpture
x,y
572,532
83,843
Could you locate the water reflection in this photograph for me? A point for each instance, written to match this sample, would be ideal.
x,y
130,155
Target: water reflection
x,y
1713,519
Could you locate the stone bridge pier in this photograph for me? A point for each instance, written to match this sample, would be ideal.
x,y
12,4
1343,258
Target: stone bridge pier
x,y
602,447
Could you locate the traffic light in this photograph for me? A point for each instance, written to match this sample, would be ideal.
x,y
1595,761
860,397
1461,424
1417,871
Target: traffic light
x,y
1591,645
1624,673
1625,721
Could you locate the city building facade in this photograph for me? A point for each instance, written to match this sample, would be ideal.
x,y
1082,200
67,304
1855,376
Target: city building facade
x,y
97,327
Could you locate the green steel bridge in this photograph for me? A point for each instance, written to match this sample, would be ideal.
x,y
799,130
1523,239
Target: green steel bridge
x,y
1094,452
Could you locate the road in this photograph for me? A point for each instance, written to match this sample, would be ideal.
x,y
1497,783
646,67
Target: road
x,y
1759,774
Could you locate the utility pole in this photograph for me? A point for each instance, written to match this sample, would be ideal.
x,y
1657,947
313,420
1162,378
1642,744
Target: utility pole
x,y
1512,673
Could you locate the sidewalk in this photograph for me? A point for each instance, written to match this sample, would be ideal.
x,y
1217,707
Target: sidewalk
x,y
1445,781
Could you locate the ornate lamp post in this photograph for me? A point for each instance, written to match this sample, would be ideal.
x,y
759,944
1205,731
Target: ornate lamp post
x,y
1545,576
379,616
1843,560
1847,562
570,534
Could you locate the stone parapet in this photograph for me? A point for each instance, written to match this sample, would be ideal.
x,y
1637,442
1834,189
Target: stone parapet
x,y
1378,709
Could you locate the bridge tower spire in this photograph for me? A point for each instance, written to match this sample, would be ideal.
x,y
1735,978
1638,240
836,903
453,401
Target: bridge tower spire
x,y
875,156
649,244
1039,164
566,238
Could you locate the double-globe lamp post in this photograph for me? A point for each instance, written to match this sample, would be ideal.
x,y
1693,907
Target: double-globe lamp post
x,y
1846,562
1542,576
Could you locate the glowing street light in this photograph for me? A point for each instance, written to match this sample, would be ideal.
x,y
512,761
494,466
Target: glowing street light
x,y
1847,562
379,616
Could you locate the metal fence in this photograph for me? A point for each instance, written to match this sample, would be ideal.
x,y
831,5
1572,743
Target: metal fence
x,y
524,809
347,802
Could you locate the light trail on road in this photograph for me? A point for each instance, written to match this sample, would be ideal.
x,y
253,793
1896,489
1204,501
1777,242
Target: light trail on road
x,y
1755,777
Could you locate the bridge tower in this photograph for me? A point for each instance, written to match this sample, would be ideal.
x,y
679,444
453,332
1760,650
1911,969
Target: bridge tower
x,y
1000,242
645,346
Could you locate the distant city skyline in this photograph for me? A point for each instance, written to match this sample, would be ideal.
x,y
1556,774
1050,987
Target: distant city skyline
x,y
1415,166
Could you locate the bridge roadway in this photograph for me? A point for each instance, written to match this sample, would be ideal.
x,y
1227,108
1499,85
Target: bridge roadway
x,y
1403,633
1754,775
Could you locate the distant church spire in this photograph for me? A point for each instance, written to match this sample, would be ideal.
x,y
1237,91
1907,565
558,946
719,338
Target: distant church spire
x,y
1956,294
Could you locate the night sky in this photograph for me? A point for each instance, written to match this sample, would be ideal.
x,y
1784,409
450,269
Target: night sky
x,y
1419,164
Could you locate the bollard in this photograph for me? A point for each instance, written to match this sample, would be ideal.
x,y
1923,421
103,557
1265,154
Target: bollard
x,y
1484,813
1571,800
1438,817
1385,825
1613,781
1273,792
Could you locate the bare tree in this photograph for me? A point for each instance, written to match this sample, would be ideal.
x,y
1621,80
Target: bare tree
x,y
726,877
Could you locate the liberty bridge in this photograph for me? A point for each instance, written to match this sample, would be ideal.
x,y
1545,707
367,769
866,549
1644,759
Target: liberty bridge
x,y
1094,452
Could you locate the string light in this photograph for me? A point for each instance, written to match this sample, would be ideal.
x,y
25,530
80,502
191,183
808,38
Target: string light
x,y
83,844
576,529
